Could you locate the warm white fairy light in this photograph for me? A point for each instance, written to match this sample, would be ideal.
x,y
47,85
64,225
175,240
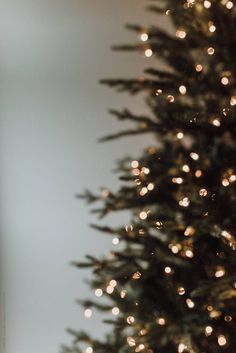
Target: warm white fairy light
x,y
130,320
180,135
203,192
134,164
210,51
143,191
110,289
150,186
225,80
159,225
115,241
182,347
190,303
129,228
115,311
229,5
148,52
143,215
220,272
212,27
198,173
222,340
146,170
194,156
113,283
182,89
208,330
233,101
170,98
175,248
181,34
161,321
168,270
185,202
178,180
207,4
198,68
144,37
216,122
186,168
123,294
189,254
136,275
89,350
189,231
131,341
181,291
88,313
98,292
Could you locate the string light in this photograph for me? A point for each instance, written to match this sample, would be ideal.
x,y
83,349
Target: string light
x,y
143,215
137,275
194,156
144,37
115,311
88,313
225,81
98,292
115,241
89,350
148,52
208,330
182,90
171,98
207,4
130,320
233,101
185,202
180,135
198,68
181,291
181,34
203,192
229,5
186,168
131,341
182,347
161,321
190,303
134,164
210,51
222,340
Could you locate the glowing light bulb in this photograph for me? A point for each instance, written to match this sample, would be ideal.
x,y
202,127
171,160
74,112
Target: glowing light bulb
x,y
161,321
211,51
208,330
89,350
180,135
225,81
168,270
134,164
144,37
186,168
229,5
148,53
198,68
115,311
143,215
115,241
233,100
170,98
130,320
182,90
181,34
182,347
98,292
88,313
222,340
190,303
207,4
194,156
181,291
203,192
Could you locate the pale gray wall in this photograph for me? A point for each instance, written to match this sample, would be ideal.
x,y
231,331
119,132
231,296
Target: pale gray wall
x,y
52,111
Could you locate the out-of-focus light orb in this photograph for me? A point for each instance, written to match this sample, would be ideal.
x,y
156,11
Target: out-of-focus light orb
x,y
222,340
115,311
88,313
148,52
144,37
98,292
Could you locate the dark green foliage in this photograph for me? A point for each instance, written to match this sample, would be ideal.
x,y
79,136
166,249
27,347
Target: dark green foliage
x,y
177,260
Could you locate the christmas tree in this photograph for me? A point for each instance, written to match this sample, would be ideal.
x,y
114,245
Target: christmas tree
x,y
171,285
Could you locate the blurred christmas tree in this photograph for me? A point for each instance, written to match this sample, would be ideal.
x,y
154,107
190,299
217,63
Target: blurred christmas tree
x,y
172,282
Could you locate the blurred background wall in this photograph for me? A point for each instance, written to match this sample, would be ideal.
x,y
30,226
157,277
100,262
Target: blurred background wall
x,y
52,112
